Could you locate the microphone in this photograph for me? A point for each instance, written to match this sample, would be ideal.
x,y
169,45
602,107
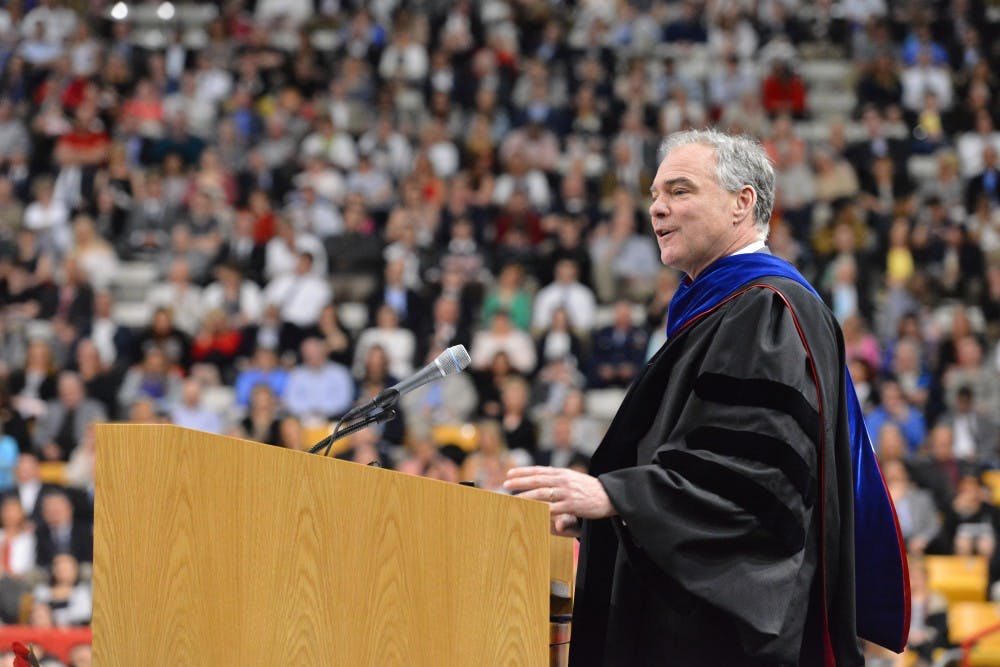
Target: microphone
x,y
453,360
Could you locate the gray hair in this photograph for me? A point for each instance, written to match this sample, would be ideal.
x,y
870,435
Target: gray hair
x,y
739,161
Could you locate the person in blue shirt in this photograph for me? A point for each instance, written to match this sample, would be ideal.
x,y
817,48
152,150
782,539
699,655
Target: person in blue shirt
x,y
263,368
893,407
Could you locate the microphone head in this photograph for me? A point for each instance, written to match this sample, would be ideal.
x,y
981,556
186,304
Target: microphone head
x,y
453,360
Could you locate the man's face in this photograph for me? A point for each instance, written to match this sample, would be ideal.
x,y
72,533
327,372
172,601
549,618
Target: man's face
x,y
26,470
56,510
692,215
70,392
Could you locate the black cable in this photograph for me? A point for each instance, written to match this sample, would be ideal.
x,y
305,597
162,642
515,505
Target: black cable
x,y
341,431
334,436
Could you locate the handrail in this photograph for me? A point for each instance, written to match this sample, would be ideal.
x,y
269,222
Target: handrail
x,y
967,643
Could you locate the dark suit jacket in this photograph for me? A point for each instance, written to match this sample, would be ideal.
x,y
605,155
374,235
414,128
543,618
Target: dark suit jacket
x,y
33,513
49,425
416,309
18,378
861,155
81,543
976,188
251,264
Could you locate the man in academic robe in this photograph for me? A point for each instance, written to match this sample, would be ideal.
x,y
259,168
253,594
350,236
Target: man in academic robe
x,y
717,523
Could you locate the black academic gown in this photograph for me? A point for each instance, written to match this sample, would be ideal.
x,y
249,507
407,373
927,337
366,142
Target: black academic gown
x,y
725,542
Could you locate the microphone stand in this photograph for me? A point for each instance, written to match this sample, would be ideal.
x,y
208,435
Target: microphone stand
x,y
377,418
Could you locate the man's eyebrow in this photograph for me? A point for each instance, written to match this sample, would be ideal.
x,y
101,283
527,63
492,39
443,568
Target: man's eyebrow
x,y
667,184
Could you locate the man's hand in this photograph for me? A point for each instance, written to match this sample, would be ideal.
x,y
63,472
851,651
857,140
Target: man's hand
x,y
565,525
571,495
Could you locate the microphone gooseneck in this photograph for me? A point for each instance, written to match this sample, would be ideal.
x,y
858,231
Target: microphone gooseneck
x,y
450,362
380,408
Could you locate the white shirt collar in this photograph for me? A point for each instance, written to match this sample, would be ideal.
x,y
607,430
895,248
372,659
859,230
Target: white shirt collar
x,y
753,247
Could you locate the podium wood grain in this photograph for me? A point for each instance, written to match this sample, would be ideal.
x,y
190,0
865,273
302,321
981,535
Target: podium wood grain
x,y
211,550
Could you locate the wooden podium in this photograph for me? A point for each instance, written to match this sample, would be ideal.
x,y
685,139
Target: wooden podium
x,y
210,550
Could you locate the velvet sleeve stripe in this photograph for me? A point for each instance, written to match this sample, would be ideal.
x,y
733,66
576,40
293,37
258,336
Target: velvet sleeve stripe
x,y
759,393
761,448
773,515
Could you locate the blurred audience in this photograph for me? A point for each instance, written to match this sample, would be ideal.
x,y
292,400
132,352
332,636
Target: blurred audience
x,y
478,174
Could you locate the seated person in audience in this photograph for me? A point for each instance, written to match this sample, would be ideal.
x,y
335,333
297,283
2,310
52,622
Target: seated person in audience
x,y
426,460
144,411
262,368
11,421
451,401
337,337
894,407
40,616
553,384
80,467
394,291
115,342
928,615
398,343
216,346
918,517
239,298
162,333
151,378
262,423
368,447
68,596
17,539
28,485
318,388
292,434
567,292
559,341
300,297
181,295
519,429
940,470
17,544
587,430
972,523
618,350
511,294
446,327
80,655
61,532
625,257
976,432
973,371
30,387
908,367
356,253
71,307
487,466
376,370
394,430
489,381
100,380
503,336
190,413
241,250
560,450
890,444
66,419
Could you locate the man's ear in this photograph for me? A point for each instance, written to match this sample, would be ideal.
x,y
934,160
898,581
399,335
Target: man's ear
x,y
746,199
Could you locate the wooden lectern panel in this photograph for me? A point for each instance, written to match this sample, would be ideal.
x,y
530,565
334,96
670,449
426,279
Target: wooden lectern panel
x,y
211,550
